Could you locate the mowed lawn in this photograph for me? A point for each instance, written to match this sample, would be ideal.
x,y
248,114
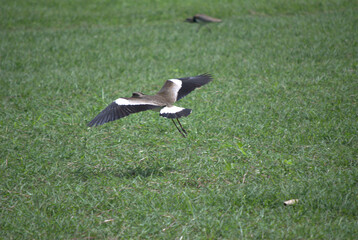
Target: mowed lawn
x,y
278,122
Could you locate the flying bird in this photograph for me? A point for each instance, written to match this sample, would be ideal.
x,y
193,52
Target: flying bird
x,y
173,90
202,19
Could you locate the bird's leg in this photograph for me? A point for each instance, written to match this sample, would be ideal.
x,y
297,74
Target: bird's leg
x,y
182,127
178,128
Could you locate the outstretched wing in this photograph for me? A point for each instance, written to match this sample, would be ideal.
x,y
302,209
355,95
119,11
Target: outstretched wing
x,y
189,84
176,89
120,108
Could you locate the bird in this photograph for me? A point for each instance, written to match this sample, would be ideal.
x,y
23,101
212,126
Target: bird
x,y
172,91
202,19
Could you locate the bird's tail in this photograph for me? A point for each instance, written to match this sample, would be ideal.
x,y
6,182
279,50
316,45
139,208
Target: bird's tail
x,y
174,112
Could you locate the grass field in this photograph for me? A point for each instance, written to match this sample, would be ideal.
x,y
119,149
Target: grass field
x,y
279,121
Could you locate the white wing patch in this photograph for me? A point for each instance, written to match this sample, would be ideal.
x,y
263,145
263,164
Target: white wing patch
x,y
175,89
122,101
177,82
177,86
126,102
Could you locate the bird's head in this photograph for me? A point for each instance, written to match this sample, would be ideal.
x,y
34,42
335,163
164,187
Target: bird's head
x,y
191,20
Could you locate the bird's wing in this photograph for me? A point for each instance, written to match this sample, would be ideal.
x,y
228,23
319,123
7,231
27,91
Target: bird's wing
x,y
176,89
120,108
189,84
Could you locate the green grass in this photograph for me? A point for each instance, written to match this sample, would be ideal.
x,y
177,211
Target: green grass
x,y
278,122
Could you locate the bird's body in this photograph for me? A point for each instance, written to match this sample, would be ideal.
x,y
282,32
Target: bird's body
x,y
202,18
172,91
